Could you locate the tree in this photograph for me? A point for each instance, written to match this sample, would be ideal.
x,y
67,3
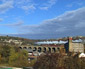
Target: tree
x,y
18,59
5,53
48,61
74,62
57,61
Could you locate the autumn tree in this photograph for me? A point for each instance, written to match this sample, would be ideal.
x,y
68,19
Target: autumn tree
x,y
74,63
48,61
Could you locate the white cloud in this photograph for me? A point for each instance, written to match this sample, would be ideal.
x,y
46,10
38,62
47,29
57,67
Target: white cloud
x,y
28,8
70,23
6,5
75,3
23,2
44,8
16,24
48,5
26,5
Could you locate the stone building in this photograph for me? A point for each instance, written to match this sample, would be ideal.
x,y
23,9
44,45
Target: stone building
x,y
75,46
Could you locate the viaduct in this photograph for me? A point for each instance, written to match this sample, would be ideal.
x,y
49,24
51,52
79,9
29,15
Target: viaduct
x,y
51,49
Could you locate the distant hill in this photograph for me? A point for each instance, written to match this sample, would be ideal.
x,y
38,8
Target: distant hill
x,y
24,40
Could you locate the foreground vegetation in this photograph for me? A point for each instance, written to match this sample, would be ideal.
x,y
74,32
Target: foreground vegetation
x,y
13,56
58,61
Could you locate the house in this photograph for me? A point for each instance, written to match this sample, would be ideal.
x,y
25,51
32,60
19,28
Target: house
x,y
82,55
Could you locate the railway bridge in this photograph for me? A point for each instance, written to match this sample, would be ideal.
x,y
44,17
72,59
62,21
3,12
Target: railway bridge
x,y
51,49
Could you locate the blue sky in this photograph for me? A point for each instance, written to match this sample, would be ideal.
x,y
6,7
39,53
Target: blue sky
x,y
42,19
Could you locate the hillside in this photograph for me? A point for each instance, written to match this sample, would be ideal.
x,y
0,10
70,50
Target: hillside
x,y
16,40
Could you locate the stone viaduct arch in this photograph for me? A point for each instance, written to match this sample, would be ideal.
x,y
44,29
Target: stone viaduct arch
x,y
41,48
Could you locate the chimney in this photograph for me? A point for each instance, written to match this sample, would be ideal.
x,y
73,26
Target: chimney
x,y
70,44
69,39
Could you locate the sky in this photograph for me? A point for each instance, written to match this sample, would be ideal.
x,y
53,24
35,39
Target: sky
x,y
42,19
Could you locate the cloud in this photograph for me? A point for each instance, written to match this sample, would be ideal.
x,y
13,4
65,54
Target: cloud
x,y
16,24
70,23
1,19
80,25
26,5
44,8
5,6
23,2
28,8
48,5
76,3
